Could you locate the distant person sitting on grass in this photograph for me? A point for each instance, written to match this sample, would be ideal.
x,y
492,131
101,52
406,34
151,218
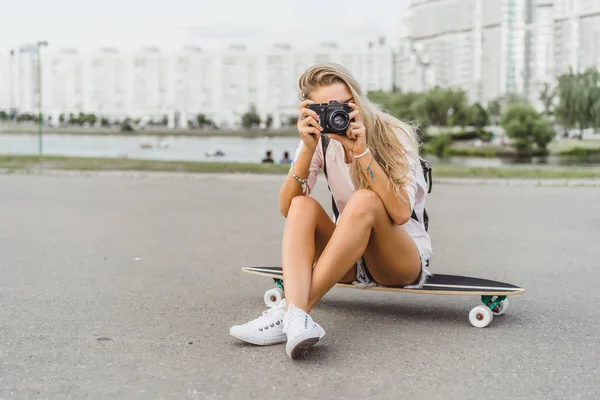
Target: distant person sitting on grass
x,y
286,158
378,236
268,158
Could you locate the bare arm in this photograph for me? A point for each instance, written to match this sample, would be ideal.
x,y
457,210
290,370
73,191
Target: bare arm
x,y
291,187
310,132
356,144
398,210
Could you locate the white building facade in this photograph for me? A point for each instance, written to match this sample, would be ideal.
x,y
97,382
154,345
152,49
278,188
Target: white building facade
x,y
564,35
490,48
18,79
151,84
475,45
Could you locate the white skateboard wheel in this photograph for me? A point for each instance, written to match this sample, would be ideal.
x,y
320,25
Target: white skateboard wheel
x,y
273,297
502,307
481,316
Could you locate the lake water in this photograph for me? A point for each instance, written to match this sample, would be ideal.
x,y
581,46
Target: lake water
x,y
176,147
237,149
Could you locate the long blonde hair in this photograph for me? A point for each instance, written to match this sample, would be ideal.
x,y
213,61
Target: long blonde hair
x,y
382,128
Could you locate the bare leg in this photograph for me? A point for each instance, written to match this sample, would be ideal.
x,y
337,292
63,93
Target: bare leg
x,y
365,229
306,233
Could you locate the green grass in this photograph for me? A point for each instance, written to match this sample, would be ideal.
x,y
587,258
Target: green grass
x,y
580,151
452,171
17,162
121,164
574,147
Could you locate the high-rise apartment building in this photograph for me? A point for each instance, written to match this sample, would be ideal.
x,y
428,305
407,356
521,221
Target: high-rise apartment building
x,y
150,83
493,47
476,45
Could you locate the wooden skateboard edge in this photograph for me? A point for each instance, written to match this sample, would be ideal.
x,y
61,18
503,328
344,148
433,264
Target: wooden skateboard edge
x,y
403,290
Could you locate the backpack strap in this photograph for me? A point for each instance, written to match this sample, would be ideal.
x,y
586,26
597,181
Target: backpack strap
x,y
325,143
427,172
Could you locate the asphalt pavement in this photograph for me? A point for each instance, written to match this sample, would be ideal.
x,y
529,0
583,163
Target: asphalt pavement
x,y
121,286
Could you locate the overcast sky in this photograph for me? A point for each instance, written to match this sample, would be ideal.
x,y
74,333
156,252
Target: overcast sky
x,y
87,24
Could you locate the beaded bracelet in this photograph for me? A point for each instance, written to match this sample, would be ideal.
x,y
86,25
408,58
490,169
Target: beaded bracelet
x,y
297,178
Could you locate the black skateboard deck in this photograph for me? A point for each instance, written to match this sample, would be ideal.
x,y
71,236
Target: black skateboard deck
x,y
437,284
493,293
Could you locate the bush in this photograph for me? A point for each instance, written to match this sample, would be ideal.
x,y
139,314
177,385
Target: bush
x,y
440,145
581,151
472,135
251,118
523,124
127,126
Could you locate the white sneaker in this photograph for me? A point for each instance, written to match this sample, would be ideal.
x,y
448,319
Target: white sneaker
x,y
264,330
302,332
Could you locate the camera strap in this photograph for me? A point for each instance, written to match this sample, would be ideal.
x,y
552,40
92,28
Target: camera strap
x,y
325,143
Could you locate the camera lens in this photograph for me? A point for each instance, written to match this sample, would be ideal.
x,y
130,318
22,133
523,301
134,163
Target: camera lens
x,y
339,120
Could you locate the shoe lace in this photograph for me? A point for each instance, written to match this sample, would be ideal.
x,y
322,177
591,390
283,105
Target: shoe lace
x,y
267,320
297,321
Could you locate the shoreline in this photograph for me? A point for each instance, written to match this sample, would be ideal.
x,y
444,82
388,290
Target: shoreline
x,y
81,131
32,164
586,151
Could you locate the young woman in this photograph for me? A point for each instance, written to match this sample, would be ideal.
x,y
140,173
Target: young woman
x,y
376,179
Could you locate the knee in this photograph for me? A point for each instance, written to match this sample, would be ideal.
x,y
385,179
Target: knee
x,y
303,208
363,205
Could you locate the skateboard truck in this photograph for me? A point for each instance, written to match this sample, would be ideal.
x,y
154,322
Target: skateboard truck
x,y
493,304
279,283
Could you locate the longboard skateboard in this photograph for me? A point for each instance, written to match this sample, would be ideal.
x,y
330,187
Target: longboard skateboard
x,y
493,293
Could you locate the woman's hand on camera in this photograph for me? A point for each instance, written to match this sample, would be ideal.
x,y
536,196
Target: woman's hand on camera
x,y
308,125
355,141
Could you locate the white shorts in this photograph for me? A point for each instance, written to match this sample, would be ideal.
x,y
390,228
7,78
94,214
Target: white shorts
x,y
364,278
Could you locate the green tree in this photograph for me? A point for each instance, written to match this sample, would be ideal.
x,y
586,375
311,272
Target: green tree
x,y
480,116
250,118
495,110
462,117
91,119
441,107
26,117
523,124
202,120
81,118
4,116
62,118
269,121
440,144
579,99
397,104
547,96
127,125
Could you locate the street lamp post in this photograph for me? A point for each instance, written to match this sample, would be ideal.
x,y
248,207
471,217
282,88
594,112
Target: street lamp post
x,y
39,76
10,83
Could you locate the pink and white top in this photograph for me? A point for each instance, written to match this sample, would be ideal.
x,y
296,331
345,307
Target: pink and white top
x,y
342,186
